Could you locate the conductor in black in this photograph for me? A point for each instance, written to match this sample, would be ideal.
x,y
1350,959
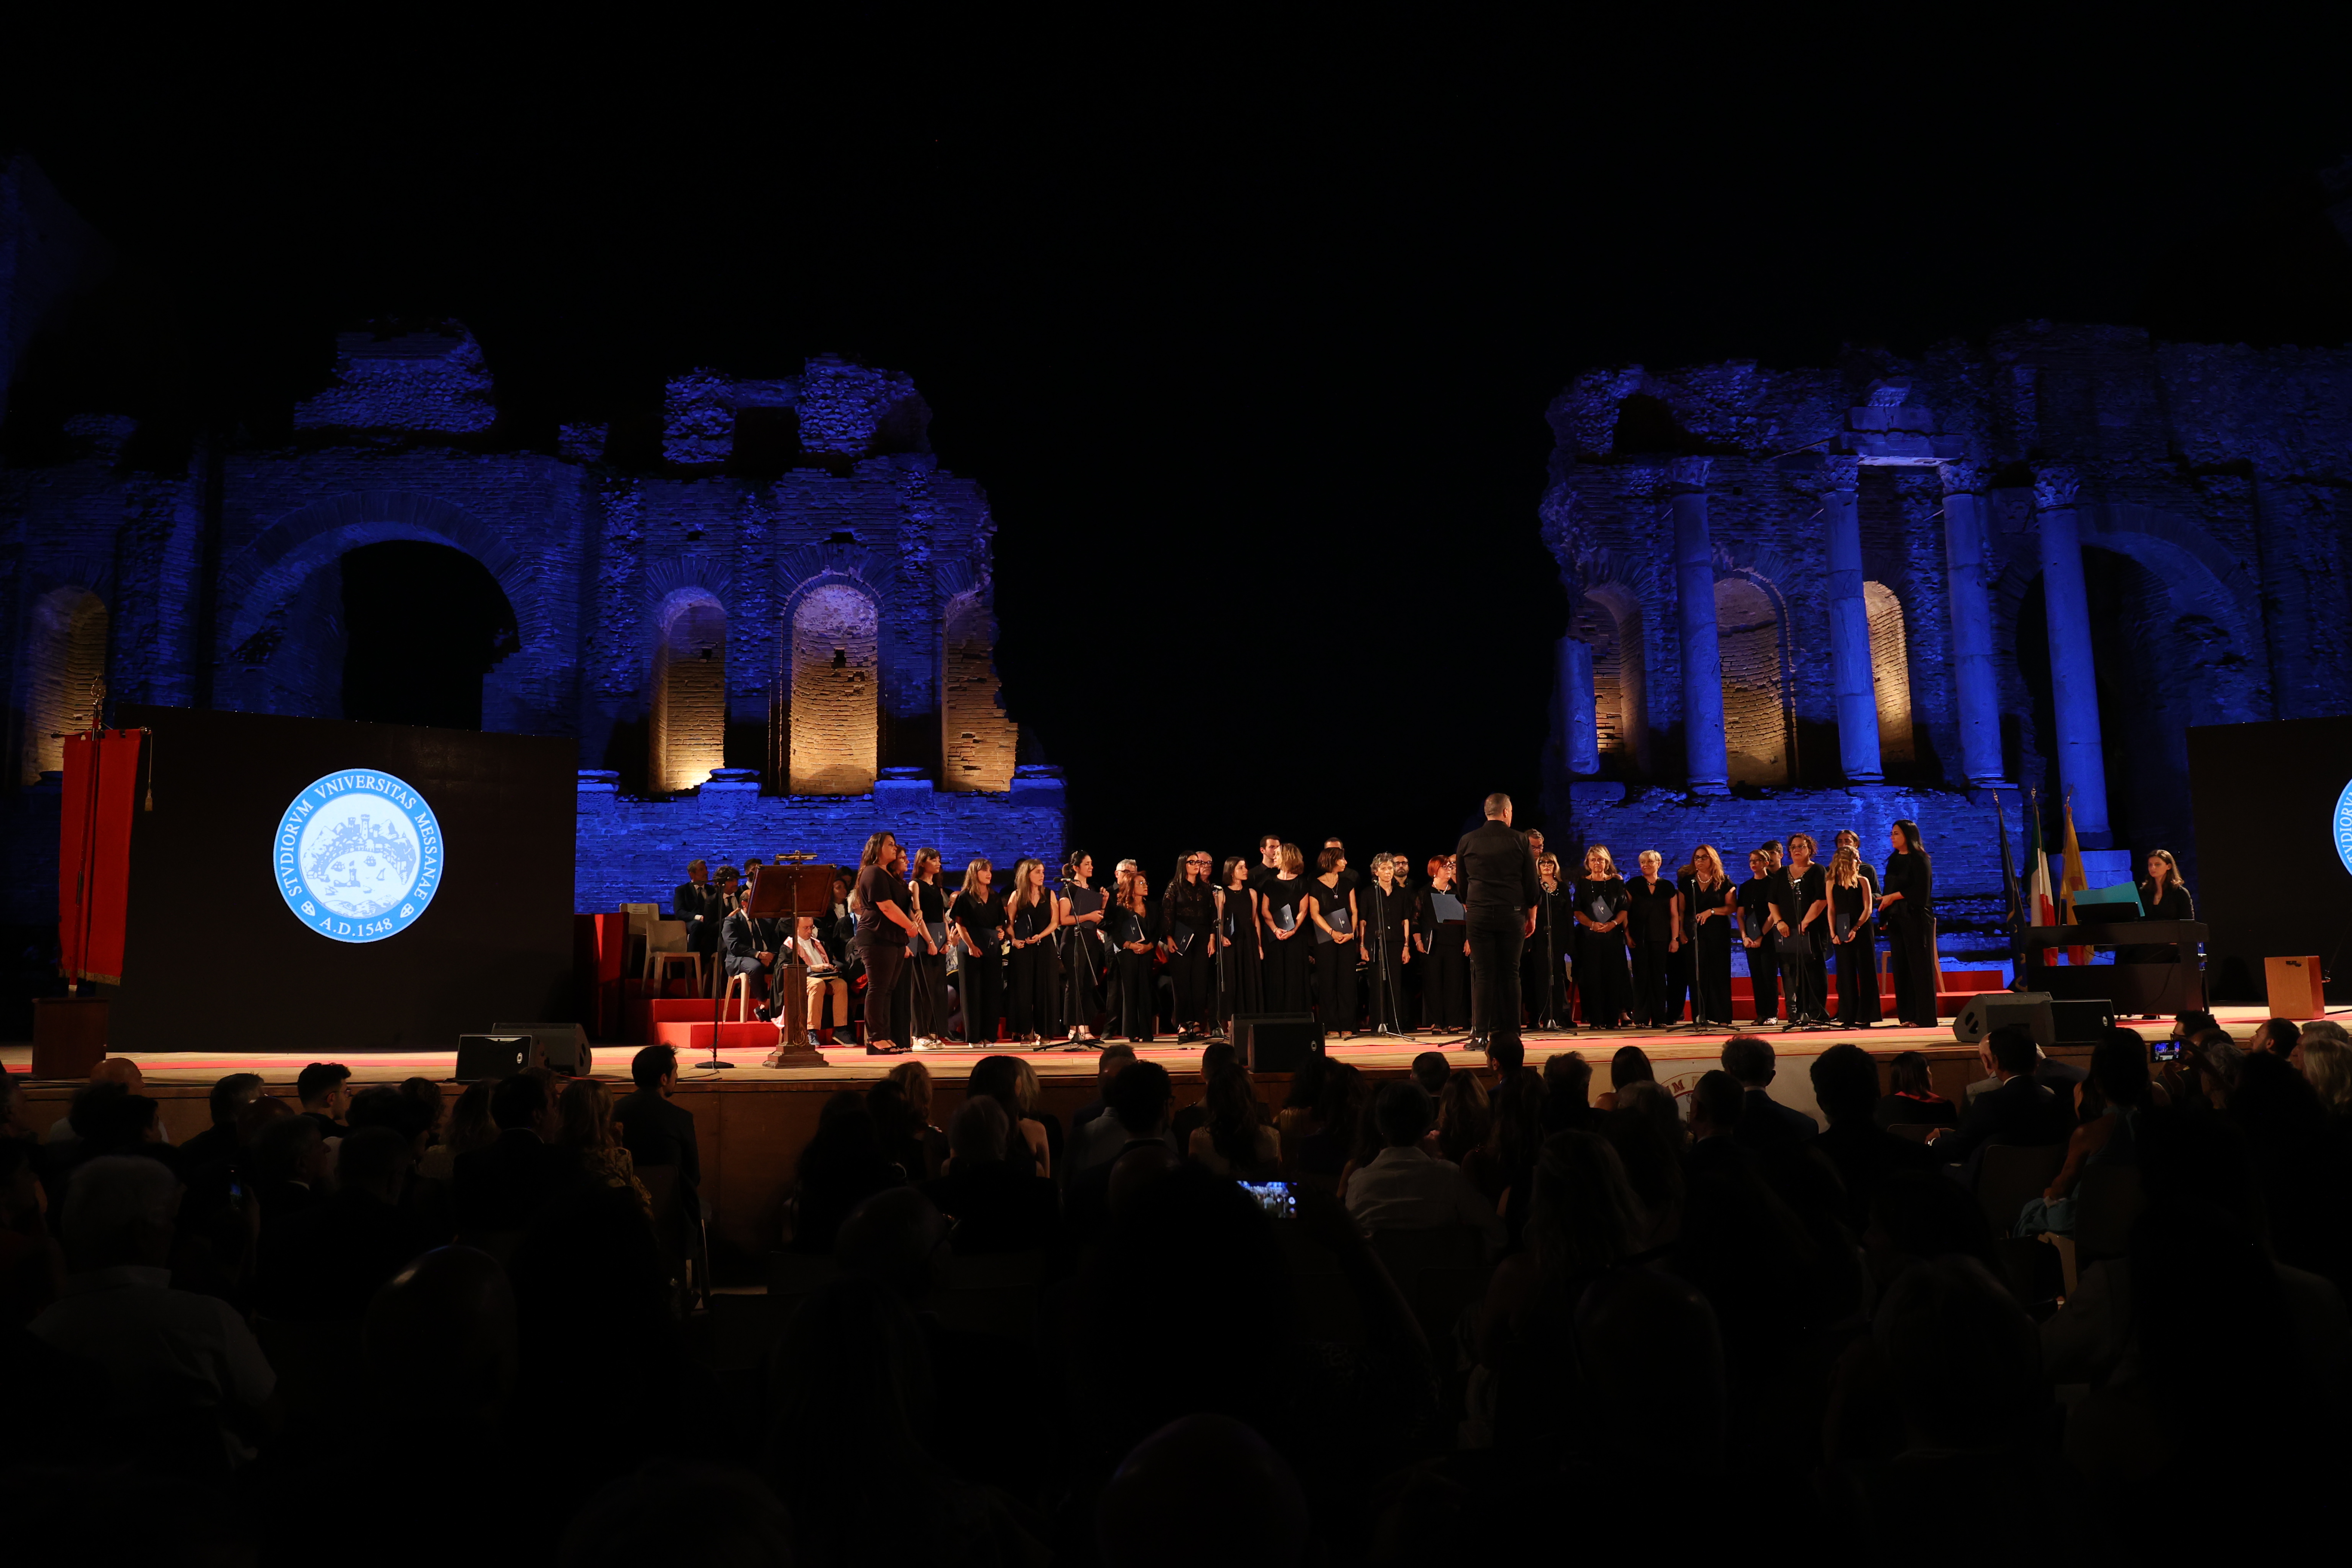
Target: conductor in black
x,y
1499,890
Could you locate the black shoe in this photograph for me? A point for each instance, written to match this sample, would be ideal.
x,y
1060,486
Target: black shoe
x,y
765,1015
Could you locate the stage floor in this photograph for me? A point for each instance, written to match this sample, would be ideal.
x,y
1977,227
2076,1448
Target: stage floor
x,y
191,1069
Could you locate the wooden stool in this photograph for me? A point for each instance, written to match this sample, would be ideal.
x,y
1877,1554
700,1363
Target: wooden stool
x,y
659,963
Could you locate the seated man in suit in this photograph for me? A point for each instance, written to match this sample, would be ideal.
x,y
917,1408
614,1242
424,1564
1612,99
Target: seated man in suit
x,y
1752,1062
751,947
699,904
657,1130
522,1173
2023,1110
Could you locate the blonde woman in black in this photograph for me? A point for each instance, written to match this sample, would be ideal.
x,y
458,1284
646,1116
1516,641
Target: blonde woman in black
x,y
1604,981
1136,927
1332,906
1032,960
1191,914
1854,937
1239,950
1800,894
1282,899
981,924
1543,970
1081,908
1710,903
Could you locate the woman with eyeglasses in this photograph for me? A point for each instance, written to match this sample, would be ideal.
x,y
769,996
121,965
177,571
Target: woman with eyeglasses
x,y
1032,961
1239,954
1708,902
1191,914
1438,932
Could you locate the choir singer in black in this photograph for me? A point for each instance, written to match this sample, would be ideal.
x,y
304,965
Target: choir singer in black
x,y
1499,890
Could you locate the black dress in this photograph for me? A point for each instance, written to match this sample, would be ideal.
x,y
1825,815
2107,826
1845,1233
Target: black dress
x,y
1650,921
1755,902
1084,960
1286,961
1334,961
1604,986
1034,972
928,968
1911,937
1543,967
1237,956
1857,959
1445,988
982,973
1191,912
1803,975
1708,950
1386,915
1135,976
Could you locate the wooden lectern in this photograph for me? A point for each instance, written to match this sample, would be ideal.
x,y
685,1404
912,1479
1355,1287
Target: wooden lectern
x,y
2292,985
786,892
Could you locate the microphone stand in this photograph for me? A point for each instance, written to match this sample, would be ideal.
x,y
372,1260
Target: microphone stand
x,y
1386,970
1077,941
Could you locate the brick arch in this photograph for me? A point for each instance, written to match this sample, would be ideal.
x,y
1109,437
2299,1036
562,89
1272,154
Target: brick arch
x,y
832,712
2202,577
282,555
1609,619
687,737
67,643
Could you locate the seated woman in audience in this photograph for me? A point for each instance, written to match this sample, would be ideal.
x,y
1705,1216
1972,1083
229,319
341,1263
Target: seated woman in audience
x,y
1030,1093
1338,1111
997,1206
1235,1140
470,1128
1629,1065
842,1166
1506,1165
999,1077
2109,1103
1913,1102
1462,1116
914,1082
587,1106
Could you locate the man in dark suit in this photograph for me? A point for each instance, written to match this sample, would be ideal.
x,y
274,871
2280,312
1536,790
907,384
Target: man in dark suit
x,y
697,903
1845,1086
751,947
2023,1110
521,1173
1499,887
655,1130
1753,1063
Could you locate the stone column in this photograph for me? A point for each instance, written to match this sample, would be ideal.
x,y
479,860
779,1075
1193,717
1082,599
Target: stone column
x,y
1703,746
1850,672
2073,684
1976,678
1577,721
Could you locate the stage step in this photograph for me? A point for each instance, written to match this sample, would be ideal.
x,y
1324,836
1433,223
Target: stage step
x,y
681,1009
732,1037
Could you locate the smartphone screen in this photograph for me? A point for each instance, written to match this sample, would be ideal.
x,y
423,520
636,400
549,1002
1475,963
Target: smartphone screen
x,y
2167,1050
1274,1197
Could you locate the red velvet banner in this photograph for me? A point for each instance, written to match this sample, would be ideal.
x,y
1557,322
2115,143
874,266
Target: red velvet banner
x,y
101,793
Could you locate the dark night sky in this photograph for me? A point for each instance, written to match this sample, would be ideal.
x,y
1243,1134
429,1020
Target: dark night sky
x,y
1247,327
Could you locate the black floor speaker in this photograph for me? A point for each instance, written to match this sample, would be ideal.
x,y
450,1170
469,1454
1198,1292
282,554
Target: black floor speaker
x,y
2080,1023
492,1056
563,1046
1276,1042
1990,1010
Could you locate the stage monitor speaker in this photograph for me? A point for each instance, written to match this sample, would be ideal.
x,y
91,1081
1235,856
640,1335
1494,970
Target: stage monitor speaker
x,y
563,1046
1276,1042
2080,1023
492,1056
1990,1010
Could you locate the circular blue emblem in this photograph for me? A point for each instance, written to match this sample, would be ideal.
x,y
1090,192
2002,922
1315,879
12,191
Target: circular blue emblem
x,y
358,856
2343,827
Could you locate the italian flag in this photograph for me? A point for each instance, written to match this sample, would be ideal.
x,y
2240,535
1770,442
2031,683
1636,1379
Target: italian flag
x,y
2041,904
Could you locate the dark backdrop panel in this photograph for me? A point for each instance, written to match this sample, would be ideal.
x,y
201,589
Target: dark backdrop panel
x,y
215,959
2264,796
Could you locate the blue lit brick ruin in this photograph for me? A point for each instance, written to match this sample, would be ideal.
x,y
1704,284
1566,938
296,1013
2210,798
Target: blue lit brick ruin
x,y
773,633
2030,562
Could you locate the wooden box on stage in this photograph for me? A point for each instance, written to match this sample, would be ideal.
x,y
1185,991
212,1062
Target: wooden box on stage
x,y
68,1035
2294,987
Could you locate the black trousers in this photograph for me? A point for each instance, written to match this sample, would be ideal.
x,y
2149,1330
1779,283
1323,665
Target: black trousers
x,y
1385,976
1650,960
1243,985
1543,978
1804,977
1137,992
1679,985
1445,984
1911,954
1710,960
883,966
1335,988
982,981
1857,979
1035,1002
1764,978
1193,975
1085,970
1494,980
1284,974
928,974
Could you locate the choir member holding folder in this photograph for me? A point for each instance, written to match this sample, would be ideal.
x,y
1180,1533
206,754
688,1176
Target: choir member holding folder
x,y
1708,905
1331,905
1604,986
1192,926
1138,927
1906,907
1439,933
1034,963
1281,898
1854,937
1080,910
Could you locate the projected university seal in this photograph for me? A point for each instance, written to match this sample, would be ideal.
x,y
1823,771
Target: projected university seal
x,y
358,856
